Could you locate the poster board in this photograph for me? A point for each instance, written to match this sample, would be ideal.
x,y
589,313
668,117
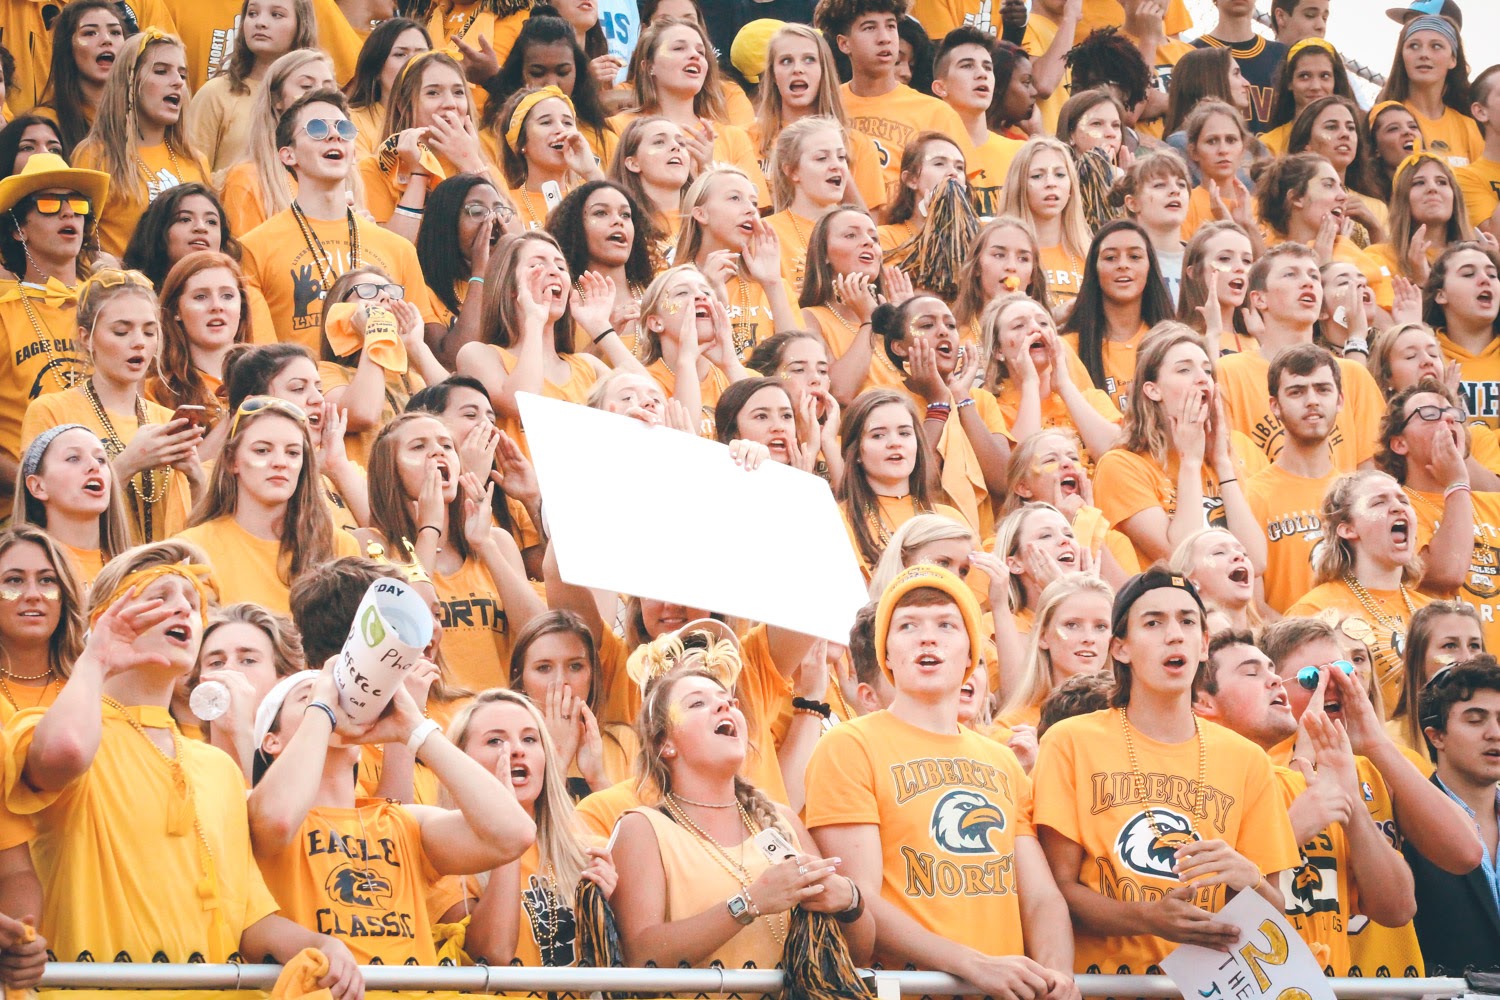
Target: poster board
x,y
653,512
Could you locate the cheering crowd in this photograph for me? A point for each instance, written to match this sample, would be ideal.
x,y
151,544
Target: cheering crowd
x,y
1157,382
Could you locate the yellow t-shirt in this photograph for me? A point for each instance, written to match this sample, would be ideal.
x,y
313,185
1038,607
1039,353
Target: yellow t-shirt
x,y
1381,950
1479,183
467,21
839,336
359,875
1481,587
738,110
710,388
1054,410
1119,364
598,813
161,168
1484,445
26,34
169,491
218,125
868,171
793,231
896,234
208,29
1390,260
1088,792
893,119
1479,379
1200,209
1107,13
1455,136
1092,529
476,630
1319,896
242,194
889,514
1356,434
961,478
532,206
987,166
1278,138
581,379
546,909
764,693
695,880
1041,31
1288,507
733,145
1388,613
398,389
248,568
370,121
949,808
281,266
86,564
117,852
1378,950
1126,484
34,364
382,195
941,16
1064,272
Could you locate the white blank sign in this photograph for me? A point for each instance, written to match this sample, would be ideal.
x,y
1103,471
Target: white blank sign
x,y
657,513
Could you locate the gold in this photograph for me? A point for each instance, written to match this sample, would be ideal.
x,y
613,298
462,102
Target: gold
x,y
153,492
778,922
1396,649
1138,777
44,337
208,887
327,268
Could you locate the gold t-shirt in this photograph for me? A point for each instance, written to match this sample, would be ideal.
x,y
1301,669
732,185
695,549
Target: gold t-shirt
x,y
1119,365
987,166
118,854
359,875
1479,183
218,125
793,231
1088,792
949,808
1455,136
280,264
160,167
1125,484
1479,379
1064,271
894,119
476,629
39,357
1371,949
1481,587
169,495
1387,612
1243,385
248,568
1288,507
